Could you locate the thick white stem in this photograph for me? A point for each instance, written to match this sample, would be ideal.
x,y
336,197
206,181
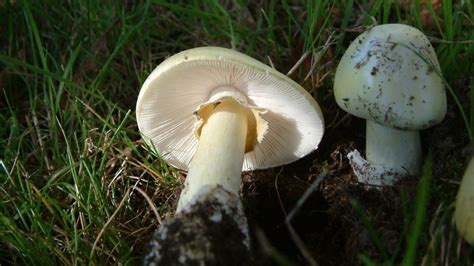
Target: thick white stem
x,y
219,156
464,213
396,149
391,154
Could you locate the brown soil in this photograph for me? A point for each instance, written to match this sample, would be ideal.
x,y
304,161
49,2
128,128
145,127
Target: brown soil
x,y
331,221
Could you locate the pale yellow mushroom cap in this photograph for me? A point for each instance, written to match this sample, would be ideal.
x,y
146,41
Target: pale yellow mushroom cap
x,y
464,208
176,93
388,75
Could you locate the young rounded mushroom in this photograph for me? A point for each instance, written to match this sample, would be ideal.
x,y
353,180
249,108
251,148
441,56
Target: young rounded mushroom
x,y
464,208
389,76
215,112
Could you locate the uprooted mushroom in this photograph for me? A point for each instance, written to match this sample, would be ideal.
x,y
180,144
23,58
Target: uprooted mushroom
x,y
389,76
215,112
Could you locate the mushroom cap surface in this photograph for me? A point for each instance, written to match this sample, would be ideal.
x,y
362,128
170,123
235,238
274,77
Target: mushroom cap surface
x,y
390,74
168,103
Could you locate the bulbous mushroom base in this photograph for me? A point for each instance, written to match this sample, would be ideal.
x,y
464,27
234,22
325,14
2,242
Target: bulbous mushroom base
x,y
372,174
391,154
212,231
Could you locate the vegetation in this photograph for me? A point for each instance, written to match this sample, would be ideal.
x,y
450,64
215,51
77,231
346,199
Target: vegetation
x,y
78,185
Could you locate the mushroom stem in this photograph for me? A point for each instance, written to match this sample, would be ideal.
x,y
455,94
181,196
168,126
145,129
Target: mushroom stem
x,y
220,153
464,212
399,150
209,209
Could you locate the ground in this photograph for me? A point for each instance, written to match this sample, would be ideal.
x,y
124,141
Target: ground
x,y
79,185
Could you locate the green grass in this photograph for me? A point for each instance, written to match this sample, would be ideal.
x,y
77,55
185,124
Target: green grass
x,y
70,72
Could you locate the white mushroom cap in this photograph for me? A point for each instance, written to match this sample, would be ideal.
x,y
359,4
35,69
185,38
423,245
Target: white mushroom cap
x,y
171,107
385,76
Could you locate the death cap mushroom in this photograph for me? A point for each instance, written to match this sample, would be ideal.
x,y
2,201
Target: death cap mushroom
x,y
389,76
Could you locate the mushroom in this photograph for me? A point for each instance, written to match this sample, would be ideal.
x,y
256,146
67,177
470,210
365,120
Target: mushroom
x,y
387,76
215,112
464,208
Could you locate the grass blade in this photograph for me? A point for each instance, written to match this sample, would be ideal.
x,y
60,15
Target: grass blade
x,y
421,204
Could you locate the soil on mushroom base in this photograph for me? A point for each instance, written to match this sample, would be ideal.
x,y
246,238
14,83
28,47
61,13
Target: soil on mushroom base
x,y
193,238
